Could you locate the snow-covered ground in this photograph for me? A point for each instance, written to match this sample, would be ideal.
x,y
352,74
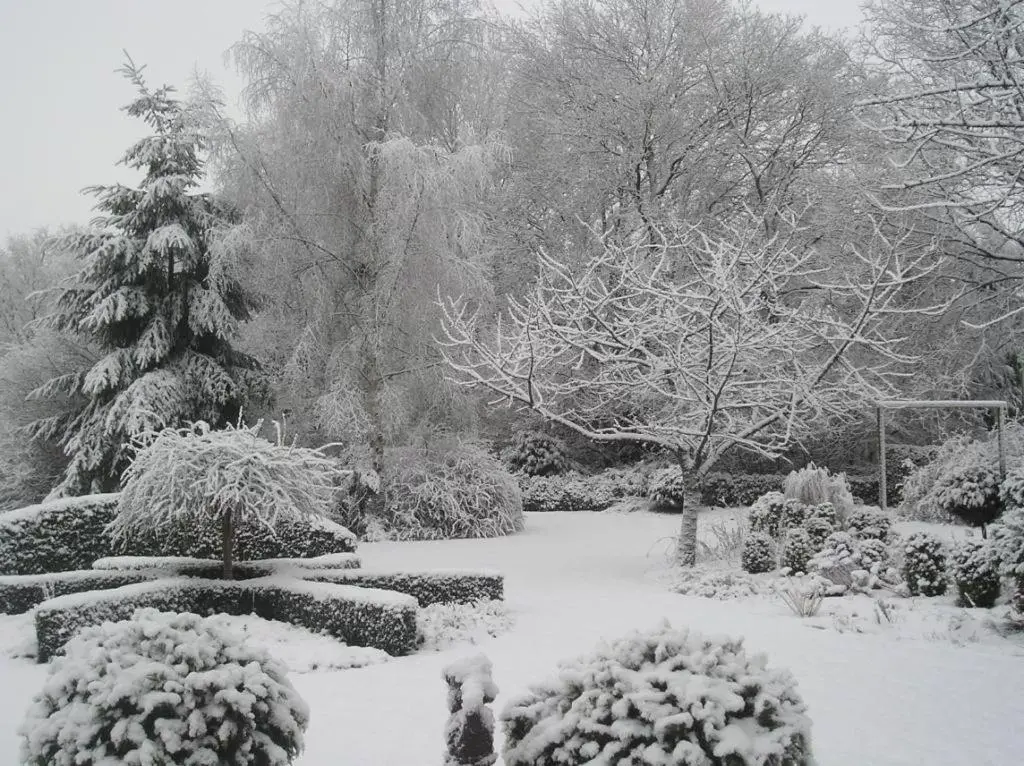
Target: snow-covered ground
x,y
930,684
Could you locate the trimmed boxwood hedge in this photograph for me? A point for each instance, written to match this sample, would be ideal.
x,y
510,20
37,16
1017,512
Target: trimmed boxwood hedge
x,y
212,568
69,534
358,616
434,587
19,593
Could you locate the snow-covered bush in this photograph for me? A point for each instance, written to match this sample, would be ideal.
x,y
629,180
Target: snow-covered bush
x,y
536,454
797,550
818,529
668,489
976,573
766,513
659,697
812,486
824,511
210,478
758,554
1011,490
572,491
164,688
855,564
732,490
469,732
866,524
456,492
720,584
440,626
970,494
1008,545
924,565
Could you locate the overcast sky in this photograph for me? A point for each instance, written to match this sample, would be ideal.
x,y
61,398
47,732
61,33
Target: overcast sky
x,y
61,127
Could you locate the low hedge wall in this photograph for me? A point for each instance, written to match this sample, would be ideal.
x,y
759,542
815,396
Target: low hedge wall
x,y
19,593
69,534
359,616
433,587
212,568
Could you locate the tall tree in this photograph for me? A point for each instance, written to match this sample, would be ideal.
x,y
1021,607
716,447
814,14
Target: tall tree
x,y
689,346
159,295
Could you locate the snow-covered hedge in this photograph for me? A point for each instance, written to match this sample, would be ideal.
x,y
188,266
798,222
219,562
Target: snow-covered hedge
x,y
665,696
359,616
164,688
976,573
71,534
19,593
188,565
924,565
427,587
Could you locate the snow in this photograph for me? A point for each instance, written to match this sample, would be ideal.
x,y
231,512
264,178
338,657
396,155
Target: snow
x,y
63,505
915,690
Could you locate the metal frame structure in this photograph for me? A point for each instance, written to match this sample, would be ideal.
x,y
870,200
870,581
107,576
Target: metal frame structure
x,y
892,404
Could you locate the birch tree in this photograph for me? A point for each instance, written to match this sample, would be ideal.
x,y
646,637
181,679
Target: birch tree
x,y
700,345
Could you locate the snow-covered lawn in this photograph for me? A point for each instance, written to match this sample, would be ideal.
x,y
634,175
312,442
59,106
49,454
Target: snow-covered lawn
x,y
931,684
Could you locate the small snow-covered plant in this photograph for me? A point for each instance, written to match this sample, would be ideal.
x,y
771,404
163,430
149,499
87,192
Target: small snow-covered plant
x,y
201,476
758,554
1011,490
873,554
160,689
803,595
469,733
812,486
766,514
866,524
818,529
924,565
970,494
668,489
976,573
797,550
824,511
794,515
442,625
1008,545
661,696
537,454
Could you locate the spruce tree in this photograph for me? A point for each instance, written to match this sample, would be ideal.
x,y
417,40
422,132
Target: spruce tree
x,y
159,293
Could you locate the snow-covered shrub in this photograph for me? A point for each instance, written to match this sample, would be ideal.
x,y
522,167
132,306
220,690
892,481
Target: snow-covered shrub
x,y
440,626
866,524
546,494
574,492
164,688
803,595
20,593
456,492
797,550
976,573
469,732
720,584
1008,544
874,554
766,513
824,511
455,586
1011,490
659,697
208,478
758,553
734,490
924,565
849,563
667,489
970,494
358,616
812,486
818,529
536,454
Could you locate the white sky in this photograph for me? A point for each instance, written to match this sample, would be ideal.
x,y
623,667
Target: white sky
x,y
61,127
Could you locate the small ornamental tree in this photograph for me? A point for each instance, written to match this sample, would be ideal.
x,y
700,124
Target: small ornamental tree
x,y
159,295
203,476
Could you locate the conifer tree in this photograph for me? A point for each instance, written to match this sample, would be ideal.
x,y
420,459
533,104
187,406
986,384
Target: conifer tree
x,y
160,294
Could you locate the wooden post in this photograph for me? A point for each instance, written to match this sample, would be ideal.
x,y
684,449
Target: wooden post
x,y
1000,417
881,457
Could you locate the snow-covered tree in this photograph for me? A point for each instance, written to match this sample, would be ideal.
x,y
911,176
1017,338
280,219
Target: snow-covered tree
x,y
699,346
160,294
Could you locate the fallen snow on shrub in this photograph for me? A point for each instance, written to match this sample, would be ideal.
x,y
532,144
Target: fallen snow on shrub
x,y
440,626
164,688
717,583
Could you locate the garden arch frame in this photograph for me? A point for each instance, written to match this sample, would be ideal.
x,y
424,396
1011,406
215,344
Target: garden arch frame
x,y
893,404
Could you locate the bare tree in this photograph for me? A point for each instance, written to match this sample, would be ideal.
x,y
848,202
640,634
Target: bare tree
x,y
699,345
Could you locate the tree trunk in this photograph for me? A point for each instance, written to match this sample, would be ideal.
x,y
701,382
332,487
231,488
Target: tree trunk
x,y
227,530
686,544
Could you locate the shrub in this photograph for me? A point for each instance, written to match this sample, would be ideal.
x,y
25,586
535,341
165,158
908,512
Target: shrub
x,y
812,485
469,732
668,489
976,573
574,492
758,553
851,563
1011,490
924,565
665,696
818,529
164,688
358,616
536,454
970,494
206,478
797,550
734,490
866,524
824,511
70,534
1008,546
766,513
455,492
